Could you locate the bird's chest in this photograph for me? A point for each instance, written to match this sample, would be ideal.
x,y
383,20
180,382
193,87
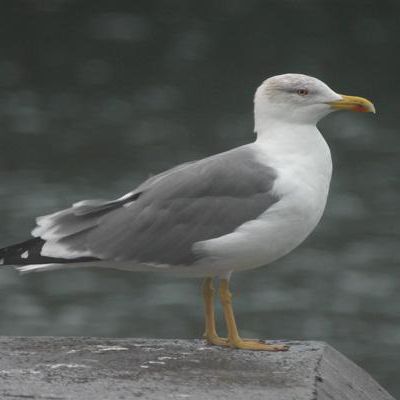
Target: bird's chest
x,y
303,186
304,170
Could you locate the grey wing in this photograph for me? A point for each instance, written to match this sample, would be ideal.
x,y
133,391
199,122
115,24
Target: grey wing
x,y
161,221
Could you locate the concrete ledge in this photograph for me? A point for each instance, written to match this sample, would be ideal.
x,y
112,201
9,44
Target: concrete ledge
x,y
55,368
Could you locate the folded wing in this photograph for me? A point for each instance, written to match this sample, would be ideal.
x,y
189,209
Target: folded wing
x,y
162,219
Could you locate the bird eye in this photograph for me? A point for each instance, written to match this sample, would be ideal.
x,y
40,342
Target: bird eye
x,y
302,92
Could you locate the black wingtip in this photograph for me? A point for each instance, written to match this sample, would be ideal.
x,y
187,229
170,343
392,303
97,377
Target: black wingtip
x,y
28,253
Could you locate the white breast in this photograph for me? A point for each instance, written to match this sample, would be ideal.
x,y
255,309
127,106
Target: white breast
x,y
304,167
303,162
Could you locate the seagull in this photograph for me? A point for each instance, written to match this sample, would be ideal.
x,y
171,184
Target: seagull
x,y
233,211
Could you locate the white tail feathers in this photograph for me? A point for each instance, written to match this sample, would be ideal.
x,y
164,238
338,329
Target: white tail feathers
x,y
39,267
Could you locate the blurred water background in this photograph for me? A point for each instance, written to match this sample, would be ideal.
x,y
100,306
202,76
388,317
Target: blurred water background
x,y
97,95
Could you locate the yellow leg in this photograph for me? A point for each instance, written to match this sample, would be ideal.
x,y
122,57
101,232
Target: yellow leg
x,y
210,333
234,339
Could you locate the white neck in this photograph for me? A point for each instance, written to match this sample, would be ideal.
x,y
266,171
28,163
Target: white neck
x,y
264,121
293,137
294,146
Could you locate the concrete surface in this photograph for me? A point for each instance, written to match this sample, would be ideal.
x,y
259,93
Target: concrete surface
x,y
55,368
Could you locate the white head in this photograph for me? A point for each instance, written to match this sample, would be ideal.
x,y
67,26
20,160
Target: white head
x,y
300,99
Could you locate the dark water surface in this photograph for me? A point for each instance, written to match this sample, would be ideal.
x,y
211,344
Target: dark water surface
x,y
97,95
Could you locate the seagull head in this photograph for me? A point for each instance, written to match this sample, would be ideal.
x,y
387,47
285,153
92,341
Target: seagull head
x,y
301,99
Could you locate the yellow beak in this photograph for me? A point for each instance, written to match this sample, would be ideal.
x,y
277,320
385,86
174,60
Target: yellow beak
x,y
353,103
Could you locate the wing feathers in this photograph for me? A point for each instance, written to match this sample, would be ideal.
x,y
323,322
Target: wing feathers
x,y
160,222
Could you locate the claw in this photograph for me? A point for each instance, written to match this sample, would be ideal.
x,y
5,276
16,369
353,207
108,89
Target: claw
x,y
257,345
217,341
